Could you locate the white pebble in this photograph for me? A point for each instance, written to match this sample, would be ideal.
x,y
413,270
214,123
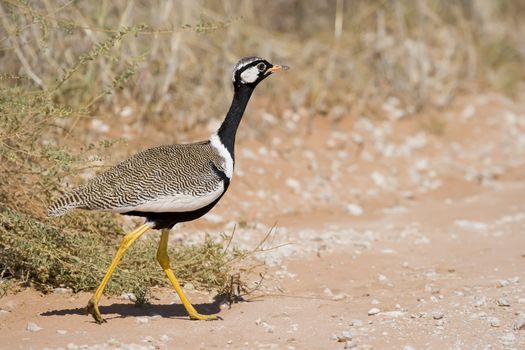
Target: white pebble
x,y
494,321
127,111
373,311
470,225
62,290
394,314
293,184
142,320
383,279
356,323
429,288
33,327
128,296
344,337
503,302
480,301
468,112
350,345
268,328
508,338
503,283
148,339
99,125
379,179
354,209
437,315
189,286
338,297
519,324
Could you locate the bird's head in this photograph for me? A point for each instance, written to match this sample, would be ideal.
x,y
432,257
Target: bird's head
x,y
250,71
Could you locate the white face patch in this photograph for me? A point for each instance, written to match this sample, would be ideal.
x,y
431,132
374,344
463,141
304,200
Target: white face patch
x,y
245,61
250,75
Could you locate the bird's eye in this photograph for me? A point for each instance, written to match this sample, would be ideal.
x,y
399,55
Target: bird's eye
x,y
261,67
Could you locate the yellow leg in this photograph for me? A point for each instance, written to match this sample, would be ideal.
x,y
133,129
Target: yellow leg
x,y
164,261
127,241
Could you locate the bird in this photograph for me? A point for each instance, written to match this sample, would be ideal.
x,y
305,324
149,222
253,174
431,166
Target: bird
x,y
169,184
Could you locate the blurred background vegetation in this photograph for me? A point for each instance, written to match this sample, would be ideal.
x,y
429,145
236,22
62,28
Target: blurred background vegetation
x,y
63,62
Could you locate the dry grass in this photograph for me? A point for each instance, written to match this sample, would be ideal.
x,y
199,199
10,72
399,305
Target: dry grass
x,y
343,54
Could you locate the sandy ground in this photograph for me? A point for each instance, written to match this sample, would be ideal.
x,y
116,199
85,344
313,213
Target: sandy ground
x,y
391,234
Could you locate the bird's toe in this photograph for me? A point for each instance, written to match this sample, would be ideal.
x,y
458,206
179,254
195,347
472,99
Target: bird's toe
x,y
92,309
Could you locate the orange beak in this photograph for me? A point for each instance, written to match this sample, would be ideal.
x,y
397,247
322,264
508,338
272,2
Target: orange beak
x,y
277,68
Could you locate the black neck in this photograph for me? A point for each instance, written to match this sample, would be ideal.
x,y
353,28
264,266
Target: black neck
x,y
228,129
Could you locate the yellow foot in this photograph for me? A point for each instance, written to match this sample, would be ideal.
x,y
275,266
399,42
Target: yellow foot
x,y
197,316
92,309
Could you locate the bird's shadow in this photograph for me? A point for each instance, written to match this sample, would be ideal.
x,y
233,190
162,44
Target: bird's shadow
x,y
123,310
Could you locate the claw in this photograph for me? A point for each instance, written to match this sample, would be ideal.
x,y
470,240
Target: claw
x,y
200,317
92,309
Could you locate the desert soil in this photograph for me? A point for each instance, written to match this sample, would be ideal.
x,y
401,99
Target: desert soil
x,y
402,232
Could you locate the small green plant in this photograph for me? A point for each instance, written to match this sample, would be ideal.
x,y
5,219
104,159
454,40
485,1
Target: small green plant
x,y
142,295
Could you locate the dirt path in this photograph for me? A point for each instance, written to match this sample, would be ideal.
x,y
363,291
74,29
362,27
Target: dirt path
x,y
441,275
391,236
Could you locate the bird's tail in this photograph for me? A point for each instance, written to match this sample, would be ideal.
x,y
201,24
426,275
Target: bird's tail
x,y
64,204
